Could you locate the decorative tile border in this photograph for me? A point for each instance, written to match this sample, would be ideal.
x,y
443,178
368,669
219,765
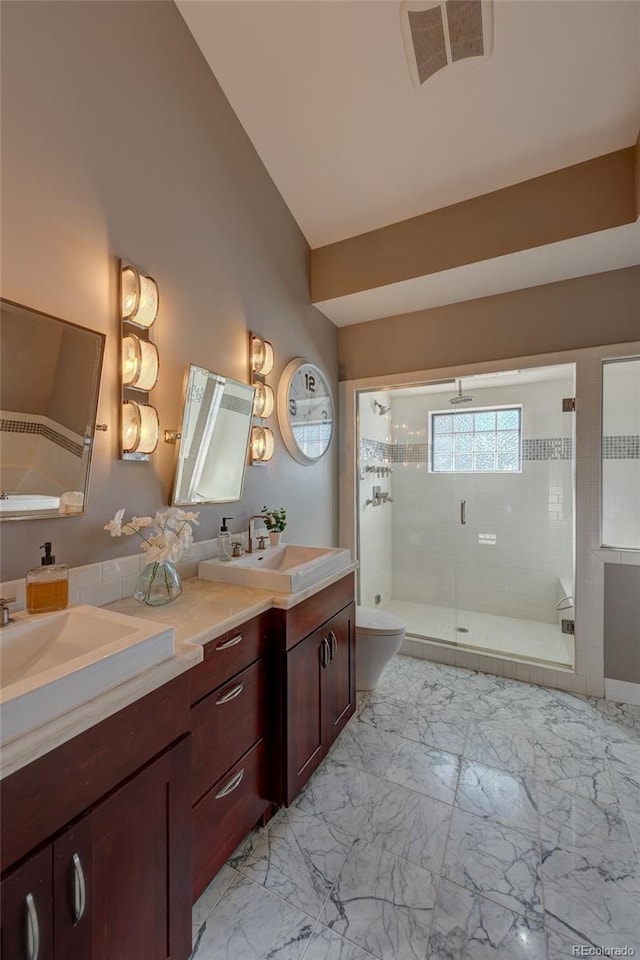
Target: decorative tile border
x,y
621,447
42,430
548,448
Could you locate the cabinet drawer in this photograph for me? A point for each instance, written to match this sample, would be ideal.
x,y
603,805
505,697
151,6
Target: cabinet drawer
x,y
230,653
227,813
302,619
226,724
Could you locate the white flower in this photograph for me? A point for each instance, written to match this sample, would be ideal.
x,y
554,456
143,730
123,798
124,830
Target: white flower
x,y
115,525
156,549
188,517
141,522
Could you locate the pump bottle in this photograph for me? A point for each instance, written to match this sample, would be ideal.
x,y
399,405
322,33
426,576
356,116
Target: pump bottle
x,y
48,584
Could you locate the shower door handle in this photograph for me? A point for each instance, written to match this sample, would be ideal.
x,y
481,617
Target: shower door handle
x,y
463,512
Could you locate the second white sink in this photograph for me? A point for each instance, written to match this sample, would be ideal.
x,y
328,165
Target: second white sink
x,y
285,569
52,662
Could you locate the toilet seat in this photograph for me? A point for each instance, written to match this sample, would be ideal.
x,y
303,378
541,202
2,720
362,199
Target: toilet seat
x,y
373,622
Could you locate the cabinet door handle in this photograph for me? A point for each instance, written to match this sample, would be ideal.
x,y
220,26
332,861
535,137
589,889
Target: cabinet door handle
x,y
33,929
229,643
334,643
325,654
79,890
229,787
231,694
463,512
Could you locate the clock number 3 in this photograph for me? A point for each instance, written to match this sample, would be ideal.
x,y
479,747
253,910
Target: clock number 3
x,y
310,382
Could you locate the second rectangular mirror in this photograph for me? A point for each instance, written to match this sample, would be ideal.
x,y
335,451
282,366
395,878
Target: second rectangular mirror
x,y
212,451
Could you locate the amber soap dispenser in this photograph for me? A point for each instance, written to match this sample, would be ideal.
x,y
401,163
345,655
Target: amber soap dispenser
x,y
48,584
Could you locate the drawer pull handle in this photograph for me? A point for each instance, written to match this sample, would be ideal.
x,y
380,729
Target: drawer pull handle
x,y
79,890
229,787
229,643
334,643
33,929
231,694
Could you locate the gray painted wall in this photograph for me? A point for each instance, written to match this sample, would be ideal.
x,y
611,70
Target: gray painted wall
x,y
118,142
622,622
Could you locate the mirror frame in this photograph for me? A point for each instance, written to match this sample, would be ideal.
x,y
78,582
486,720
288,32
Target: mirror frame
x,y
91,433
174,502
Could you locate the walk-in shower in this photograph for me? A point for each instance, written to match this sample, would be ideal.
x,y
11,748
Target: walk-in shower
x,y
466,510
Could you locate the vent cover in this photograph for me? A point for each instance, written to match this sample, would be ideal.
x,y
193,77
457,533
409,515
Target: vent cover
x,y
444,36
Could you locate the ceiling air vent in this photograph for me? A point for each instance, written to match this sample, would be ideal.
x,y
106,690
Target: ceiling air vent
x,y
445,36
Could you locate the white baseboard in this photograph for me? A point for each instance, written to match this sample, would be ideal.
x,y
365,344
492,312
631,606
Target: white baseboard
x,y
622,691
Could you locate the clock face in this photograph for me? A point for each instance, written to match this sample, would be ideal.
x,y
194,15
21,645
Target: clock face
x,y
305,411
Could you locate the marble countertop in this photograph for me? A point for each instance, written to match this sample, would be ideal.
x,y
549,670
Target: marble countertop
x,y
206,610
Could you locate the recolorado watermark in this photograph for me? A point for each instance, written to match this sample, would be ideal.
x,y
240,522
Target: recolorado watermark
x,y
577,950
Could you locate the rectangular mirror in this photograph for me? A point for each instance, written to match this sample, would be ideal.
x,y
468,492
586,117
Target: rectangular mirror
x,y
621,453
212,449
49,383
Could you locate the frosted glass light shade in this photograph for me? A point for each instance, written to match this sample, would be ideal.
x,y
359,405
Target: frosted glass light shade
x,y
140,427
139,298
263,401
261,355
140,363
262,444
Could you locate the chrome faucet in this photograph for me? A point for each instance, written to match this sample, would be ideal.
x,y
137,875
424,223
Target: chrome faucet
x,y
256,516
4,610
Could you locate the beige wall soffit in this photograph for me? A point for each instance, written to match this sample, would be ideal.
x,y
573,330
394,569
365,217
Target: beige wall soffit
x,y
638,177
578,257
582,199
582,312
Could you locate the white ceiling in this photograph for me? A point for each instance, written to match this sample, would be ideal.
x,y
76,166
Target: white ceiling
x,y
323,90
484,381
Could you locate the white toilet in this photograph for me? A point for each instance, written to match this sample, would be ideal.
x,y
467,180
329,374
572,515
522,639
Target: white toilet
x,y
379,636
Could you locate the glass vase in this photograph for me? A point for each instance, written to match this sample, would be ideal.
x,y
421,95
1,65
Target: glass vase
x,y
159,583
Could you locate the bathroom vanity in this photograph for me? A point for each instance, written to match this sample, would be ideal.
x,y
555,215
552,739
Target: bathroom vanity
x,y
96,830
108,835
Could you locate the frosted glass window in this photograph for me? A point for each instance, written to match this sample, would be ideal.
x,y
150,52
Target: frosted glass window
x,y
621,453
477,441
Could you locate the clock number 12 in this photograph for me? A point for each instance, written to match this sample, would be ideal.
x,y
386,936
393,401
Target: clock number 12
x,y
310,382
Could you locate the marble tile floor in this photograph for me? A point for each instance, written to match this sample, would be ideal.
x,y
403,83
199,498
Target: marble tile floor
x,y
459,816
486,632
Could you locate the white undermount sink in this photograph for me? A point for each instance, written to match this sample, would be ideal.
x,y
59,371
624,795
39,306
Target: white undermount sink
x,y
52,662
287,568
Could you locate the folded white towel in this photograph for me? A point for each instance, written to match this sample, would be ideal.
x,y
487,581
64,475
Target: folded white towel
x,y
71,502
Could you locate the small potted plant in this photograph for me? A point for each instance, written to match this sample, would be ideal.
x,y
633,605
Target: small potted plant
x,y
275,521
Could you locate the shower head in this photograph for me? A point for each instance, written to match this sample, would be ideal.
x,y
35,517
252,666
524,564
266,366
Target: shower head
x,y
461,397
381,408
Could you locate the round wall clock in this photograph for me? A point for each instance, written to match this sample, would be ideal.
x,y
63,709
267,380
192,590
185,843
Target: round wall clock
x,y
305,410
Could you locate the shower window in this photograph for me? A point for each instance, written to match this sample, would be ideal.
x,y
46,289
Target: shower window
x,y
484,440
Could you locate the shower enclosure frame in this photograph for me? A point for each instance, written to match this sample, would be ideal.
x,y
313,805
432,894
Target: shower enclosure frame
x,y
459,478
590,557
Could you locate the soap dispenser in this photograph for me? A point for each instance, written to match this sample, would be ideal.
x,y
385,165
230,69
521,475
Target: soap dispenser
x,y
224,540
48,584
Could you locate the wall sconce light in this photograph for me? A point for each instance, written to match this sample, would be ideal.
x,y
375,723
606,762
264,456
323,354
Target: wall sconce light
x,y
139,297
263,401
262,444
140,427
261,353
139,364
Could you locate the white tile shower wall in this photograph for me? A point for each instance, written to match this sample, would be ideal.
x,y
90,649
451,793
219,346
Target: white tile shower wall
x,y
621,475
437,560
375,522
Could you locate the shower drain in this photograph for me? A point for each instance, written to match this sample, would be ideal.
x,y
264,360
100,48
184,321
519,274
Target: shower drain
x,y
462,630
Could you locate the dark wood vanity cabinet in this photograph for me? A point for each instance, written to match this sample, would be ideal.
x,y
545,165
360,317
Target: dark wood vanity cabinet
x,y
233,723
319,684
115,881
